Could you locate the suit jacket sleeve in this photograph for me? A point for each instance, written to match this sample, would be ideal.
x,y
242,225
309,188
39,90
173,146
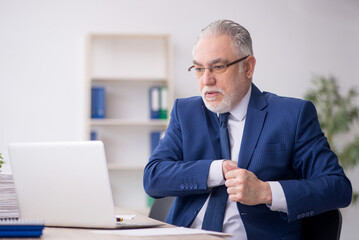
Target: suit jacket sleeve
x,y
322,184
167,172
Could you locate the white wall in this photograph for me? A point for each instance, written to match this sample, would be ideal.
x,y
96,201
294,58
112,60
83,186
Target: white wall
x,y
42,54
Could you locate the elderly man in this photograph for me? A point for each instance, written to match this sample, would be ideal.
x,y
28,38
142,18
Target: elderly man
x,y
238,160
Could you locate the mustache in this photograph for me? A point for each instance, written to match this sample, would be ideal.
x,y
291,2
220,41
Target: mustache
x,y
212,89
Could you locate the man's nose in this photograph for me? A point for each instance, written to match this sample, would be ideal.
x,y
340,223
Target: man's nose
x,y
208,77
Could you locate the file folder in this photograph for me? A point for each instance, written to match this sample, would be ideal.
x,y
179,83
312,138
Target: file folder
x,y
98,102
154,102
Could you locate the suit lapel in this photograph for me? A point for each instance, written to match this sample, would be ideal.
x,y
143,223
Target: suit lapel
x,y
253,127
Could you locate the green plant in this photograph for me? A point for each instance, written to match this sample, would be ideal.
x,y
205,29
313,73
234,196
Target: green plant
x,y
337,114
1,161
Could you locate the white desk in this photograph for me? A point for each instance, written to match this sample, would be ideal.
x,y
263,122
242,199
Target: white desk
x,y
57,233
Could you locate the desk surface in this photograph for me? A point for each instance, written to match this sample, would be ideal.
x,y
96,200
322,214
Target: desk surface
x,y
57,233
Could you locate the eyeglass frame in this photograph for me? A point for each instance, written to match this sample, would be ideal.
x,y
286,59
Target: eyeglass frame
x,y
226,65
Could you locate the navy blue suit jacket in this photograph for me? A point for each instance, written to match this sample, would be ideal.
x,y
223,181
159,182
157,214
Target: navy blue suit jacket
x,y
282,141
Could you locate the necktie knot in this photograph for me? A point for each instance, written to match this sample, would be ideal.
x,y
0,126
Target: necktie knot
x,y
223,118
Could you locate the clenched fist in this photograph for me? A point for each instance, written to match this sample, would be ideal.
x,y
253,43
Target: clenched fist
x,y
243,186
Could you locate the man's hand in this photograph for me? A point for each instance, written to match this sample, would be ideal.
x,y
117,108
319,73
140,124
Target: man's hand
x,y
243,186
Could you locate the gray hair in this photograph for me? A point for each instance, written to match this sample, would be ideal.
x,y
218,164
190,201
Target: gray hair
x,y
242,41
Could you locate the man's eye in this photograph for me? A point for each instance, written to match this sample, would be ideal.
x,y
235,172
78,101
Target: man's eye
x,y
199,69
219,67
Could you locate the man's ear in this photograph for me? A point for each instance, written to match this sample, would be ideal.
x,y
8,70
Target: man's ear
x,y
249,65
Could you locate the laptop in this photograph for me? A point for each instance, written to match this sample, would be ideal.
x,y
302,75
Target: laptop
x,y
66,184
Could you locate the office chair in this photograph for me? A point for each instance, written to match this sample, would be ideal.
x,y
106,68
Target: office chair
x,y
326,226
160,208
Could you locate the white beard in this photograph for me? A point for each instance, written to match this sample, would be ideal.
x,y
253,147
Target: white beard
x,y
224,106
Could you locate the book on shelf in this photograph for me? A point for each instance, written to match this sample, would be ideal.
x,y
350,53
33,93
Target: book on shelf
x,y
158,102
98,102
154,102
93,135
163,102
14,227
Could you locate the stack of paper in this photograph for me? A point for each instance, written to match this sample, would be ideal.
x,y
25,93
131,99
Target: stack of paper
x,y
161,232
9,207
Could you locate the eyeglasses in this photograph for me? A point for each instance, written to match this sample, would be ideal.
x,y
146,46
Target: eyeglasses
x,y
216,68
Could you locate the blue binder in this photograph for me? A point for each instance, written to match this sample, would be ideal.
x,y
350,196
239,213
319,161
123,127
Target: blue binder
x,y
20,228
98,102
154,102
93,135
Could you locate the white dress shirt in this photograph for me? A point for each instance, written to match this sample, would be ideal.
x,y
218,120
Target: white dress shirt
x,y
232,222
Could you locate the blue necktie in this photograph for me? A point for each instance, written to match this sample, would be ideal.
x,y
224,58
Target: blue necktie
x,y
213,218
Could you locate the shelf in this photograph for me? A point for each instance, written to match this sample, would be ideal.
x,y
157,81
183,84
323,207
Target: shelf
x,y
102,79
127,67
129,56
128,122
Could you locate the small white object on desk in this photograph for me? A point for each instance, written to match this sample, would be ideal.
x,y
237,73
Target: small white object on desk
x,y
124,217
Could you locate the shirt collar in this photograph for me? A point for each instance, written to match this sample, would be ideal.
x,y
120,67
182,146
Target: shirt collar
x,y
239,111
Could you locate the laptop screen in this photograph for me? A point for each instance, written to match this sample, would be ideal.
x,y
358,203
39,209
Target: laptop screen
x,y
63,183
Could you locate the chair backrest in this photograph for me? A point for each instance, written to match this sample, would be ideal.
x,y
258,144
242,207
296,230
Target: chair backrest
x,y
160,208
326,226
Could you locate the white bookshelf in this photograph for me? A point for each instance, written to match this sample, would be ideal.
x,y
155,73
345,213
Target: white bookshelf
x,y
127,66
126,122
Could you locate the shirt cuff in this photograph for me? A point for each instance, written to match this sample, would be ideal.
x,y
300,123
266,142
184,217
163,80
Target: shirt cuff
x,y
215,175
279,202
